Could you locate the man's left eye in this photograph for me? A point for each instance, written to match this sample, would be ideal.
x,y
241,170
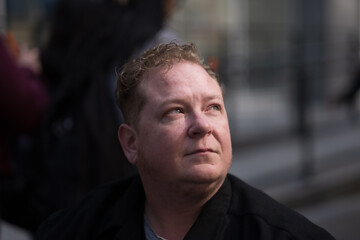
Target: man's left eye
x,y
215,107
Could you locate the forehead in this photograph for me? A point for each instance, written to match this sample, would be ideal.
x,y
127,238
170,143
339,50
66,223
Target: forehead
x,y
180,77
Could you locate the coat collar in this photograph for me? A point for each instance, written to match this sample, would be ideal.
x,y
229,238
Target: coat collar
x,y
125,219
213,220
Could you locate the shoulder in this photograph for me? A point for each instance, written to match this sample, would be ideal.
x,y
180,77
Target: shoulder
x,y
262,214
103,208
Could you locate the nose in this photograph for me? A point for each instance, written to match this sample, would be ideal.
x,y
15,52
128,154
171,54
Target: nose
x,y
199,126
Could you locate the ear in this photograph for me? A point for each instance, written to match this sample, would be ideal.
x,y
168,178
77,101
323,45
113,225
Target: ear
x,y
127,138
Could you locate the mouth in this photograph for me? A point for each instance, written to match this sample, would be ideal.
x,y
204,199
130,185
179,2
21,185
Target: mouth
x,y
201,151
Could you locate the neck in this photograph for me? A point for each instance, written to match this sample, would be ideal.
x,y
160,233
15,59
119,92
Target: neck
x,y
171,212
171,224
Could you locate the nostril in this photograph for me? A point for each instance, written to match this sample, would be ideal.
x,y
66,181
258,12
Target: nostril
x,y
199,130
199,124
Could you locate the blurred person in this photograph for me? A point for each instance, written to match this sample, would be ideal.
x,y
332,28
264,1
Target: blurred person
x,y
23,105
176,133
23,97
77,148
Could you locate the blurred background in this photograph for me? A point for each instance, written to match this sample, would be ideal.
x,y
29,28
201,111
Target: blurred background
x,y
290,72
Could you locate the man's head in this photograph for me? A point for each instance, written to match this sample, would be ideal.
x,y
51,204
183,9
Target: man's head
x,y
176,129
129,98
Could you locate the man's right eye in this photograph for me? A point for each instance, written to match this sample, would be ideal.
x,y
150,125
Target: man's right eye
x,y
173,114
176,111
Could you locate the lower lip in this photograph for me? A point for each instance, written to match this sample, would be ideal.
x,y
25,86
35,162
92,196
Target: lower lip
x,y
200,153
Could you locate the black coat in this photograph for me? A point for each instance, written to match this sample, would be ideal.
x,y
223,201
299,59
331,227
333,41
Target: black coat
x,y
237,211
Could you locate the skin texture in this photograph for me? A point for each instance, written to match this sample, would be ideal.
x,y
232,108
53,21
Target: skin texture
x,y
181,146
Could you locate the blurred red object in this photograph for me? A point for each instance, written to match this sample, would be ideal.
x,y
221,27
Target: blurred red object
x,y
12,44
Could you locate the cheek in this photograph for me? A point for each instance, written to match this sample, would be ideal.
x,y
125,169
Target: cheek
x,y
159,156
225,139
170,134
161,143
227,136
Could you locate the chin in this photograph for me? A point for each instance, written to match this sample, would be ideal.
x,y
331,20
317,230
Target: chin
x,y
201,186
203,175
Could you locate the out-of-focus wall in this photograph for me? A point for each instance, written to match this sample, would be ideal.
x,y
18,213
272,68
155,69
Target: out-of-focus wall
x,y
342,43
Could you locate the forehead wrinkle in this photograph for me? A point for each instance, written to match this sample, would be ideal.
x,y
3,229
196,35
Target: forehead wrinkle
x,y
214,97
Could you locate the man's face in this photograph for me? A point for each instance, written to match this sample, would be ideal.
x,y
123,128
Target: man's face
x,y
183,133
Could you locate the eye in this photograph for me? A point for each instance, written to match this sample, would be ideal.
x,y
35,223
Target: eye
x,y
176,111
215,107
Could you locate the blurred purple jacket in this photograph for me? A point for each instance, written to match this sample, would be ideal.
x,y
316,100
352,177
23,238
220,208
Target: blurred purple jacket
x,y
23,103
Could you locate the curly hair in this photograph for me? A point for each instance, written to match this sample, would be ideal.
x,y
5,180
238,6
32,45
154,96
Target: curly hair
x,y
128,97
